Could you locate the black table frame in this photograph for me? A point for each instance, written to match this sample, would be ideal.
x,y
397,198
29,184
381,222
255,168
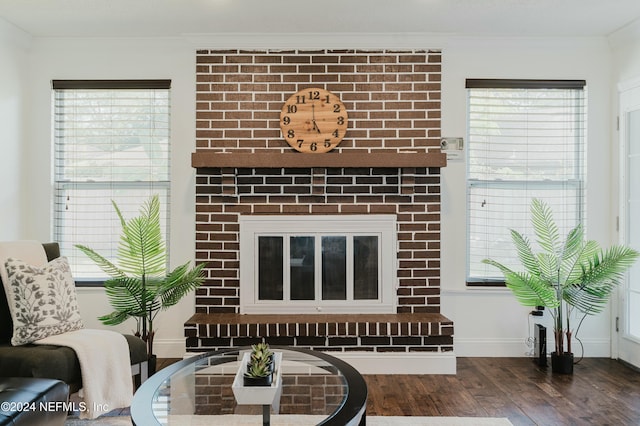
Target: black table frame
x,y
353,405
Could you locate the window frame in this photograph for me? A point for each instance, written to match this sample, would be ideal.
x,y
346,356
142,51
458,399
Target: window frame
x,y
67,184
578,184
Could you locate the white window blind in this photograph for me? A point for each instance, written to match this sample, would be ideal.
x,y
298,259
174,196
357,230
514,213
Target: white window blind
x,y
111,142
526,140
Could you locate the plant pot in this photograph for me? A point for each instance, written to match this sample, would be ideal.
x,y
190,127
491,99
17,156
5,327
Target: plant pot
x,y
258,381
270,366
247,391
562,364
152,365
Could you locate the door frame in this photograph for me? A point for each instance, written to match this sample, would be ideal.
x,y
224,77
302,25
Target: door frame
x,y
628,101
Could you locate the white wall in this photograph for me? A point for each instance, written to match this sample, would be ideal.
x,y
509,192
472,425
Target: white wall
x,y
487,323
14,45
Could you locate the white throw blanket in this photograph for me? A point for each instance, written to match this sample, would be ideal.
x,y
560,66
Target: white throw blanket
x,y
105,367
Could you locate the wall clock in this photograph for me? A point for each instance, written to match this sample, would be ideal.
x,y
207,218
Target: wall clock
x,y
313,120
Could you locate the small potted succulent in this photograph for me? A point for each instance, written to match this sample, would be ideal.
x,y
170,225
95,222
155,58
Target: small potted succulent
x,y
260,366
258,380
261,352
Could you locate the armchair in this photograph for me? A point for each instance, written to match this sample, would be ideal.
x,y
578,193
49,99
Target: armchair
x,y
49,361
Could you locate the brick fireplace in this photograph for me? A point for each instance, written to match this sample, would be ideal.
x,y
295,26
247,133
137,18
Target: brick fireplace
x,y
388,163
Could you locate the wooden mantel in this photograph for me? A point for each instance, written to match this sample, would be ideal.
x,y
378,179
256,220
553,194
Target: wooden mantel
x,y
299,160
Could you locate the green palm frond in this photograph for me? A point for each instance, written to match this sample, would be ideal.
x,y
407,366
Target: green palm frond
x,y
547,233
529,290
599,275
103,263
610,264
180,282
129,295
124,294
525,253
114,318
573,251
141,250
589,300
548,267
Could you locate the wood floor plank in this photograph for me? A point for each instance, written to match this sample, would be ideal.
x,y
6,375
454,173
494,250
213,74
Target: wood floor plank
x,y
600,392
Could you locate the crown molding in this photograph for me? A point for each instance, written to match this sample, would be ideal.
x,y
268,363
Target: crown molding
x,y
319,40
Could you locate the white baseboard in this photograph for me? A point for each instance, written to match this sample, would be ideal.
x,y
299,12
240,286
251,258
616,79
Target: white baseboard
x,y
400,362
469,347
482,347
169,348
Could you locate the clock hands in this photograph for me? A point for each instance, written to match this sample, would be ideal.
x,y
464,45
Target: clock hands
x,y
313,119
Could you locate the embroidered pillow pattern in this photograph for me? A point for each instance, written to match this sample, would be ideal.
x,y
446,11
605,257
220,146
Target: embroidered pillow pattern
x,y
42,300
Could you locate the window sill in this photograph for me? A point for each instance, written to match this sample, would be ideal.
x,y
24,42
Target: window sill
x,y
486,283
90,283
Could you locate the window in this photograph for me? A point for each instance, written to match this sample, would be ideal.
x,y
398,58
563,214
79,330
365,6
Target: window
x,y
526,140
303,264
111,143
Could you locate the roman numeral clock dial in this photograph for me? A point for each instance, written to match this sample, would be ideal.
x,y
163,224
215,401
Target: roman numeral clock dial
x,y
313,121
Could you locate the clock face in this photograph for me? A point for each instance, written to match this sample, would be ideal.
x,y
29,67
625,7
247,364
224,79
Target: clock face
x,y
313,120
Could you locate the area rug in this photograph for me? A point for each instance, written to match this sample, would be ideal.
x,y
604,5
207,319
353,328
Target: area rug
x,y
299,421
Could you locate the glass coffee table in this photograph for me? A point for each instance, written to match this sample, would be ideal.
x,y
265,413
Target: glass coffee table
x,y
316,389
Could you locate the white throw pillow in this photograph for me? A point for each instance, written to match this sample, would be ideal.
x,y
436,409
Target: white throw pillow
x,y
42,300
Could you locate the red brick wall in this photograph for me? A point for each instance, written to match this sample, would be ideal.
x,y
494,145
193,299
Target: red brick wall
x,y
313,394
393,99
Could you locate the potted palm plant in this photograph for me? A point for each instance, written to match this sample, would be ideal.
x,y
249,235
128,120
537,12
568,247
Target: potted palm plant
x,y
139,286
565,276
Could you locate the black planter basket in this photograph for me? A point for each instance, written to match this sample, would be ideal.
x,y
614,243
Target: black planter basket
x,y
562,364
258,381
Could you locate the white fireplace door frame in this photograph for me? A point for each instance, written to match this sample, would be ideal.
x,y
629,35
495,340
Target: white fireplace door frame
x,y
383,226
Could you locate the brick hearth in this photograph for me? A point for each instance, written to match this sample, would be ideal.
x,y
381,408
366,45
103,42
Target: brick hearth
x,y
333,332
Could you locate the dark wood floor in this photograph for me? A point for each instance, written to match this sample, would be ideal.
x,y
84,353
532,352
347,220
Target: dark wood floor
x,y
600,392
